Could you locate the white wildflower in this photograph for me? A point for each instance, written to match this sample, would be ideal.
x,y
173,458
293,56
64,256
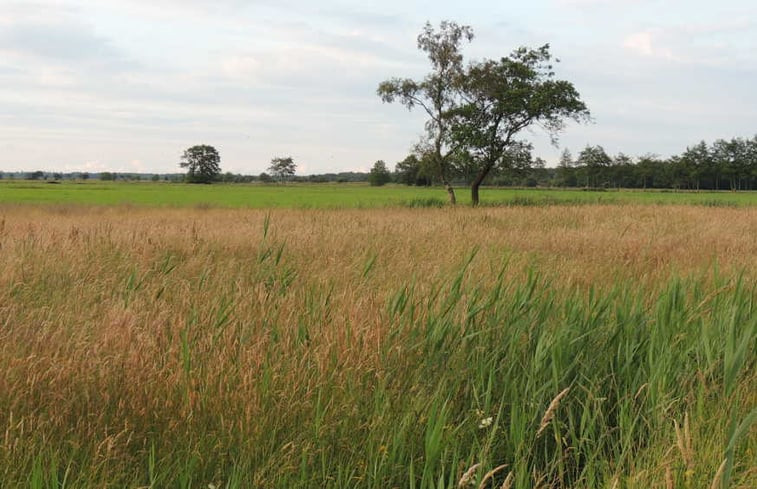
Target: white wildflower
x,y
486,422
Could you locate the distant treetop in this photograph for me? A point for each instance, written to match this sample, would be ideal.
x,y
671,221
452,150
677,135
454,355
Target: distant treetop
x,y
202,163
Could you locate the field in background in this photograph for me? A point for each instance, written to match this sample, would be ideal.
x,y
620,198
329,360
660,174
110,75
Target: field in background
x,y
320,196
558,346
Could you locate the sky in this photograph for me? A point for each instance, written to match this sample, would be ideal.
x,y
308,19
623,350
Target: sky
x,y
128,85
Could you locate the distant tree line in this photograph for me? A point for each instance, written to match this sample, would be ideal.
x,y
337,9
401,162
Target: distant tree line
x,y
103,176
227,177
722,165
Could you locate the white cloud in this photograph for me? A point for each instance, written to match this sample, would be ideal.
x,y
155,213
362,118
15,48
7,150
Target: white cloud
x,y
593,3
94,166
138,167
241,67
647,44
640,42
727,43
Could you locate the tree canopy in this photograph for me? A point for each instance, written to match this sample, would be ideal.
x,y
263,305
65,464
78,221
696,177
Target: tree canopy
x,y
411,171
503,97
282,168
202,163
379,174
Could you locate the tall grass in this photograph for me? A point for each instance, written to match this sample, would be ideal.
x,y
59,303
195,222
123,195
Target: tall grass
x,y
432,348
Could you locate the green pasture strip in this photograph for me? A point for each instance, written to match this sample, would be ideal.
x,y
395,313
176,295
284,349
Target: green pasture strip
x,y
330,196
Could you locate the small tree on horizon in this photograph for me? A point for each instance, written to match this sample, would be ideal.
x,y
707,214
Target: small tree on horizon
x,y
282,168
202,163
379,174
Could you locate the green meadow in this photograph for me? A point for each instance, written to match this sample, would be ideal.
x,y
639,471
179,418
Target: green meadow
x,y
326,196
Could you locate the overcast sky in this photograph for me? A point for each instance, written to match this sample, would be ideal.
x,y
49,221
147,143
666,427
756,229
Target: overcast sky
x,y
127,85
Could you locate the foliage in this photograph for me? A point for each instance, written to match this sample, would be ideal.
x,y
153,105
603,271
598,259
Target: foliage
x,y
437,94
282,168
379,174
411,171
722,165
475,113
202,163
504,97
594,163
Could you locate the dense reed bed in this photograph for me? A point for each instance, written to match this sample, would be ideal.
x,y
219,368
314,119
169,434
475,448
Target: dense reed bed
x,y
512,347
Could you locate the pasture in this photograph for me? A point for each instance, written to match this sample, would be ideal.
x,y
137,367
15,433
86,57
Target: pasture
x,y
331,196
168,343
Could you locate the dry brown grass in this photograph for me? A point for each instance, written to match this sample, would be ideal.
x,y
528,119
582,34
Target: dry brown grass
x,y
97,306
586,244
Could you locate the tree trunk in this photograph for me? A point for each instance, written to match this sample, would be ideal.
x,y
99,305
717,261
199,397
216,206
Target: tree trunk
x,y
477,183
474,194
441,169
450,193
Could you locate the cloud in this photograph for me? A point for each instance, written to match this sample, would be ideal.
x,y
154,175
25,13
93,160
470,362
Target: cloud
x,y
63,42
593,3
92,166
119,81
138,166
646,44
728,43
52,38
365,18
241,66
640,42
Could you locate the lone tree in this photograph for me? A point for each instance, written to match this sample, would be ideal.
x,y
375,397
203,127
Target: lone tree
x,y
202,164
475,113
379,174
501,98
282,168
437,94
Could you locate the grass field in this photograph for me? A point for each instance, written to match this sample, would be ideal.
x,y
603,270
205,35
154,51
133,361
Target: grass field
x,y
501,347
320,196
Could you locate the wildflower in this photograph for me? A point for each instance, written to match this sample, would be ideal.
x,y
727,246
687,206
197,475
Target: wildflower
x,y
486,422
